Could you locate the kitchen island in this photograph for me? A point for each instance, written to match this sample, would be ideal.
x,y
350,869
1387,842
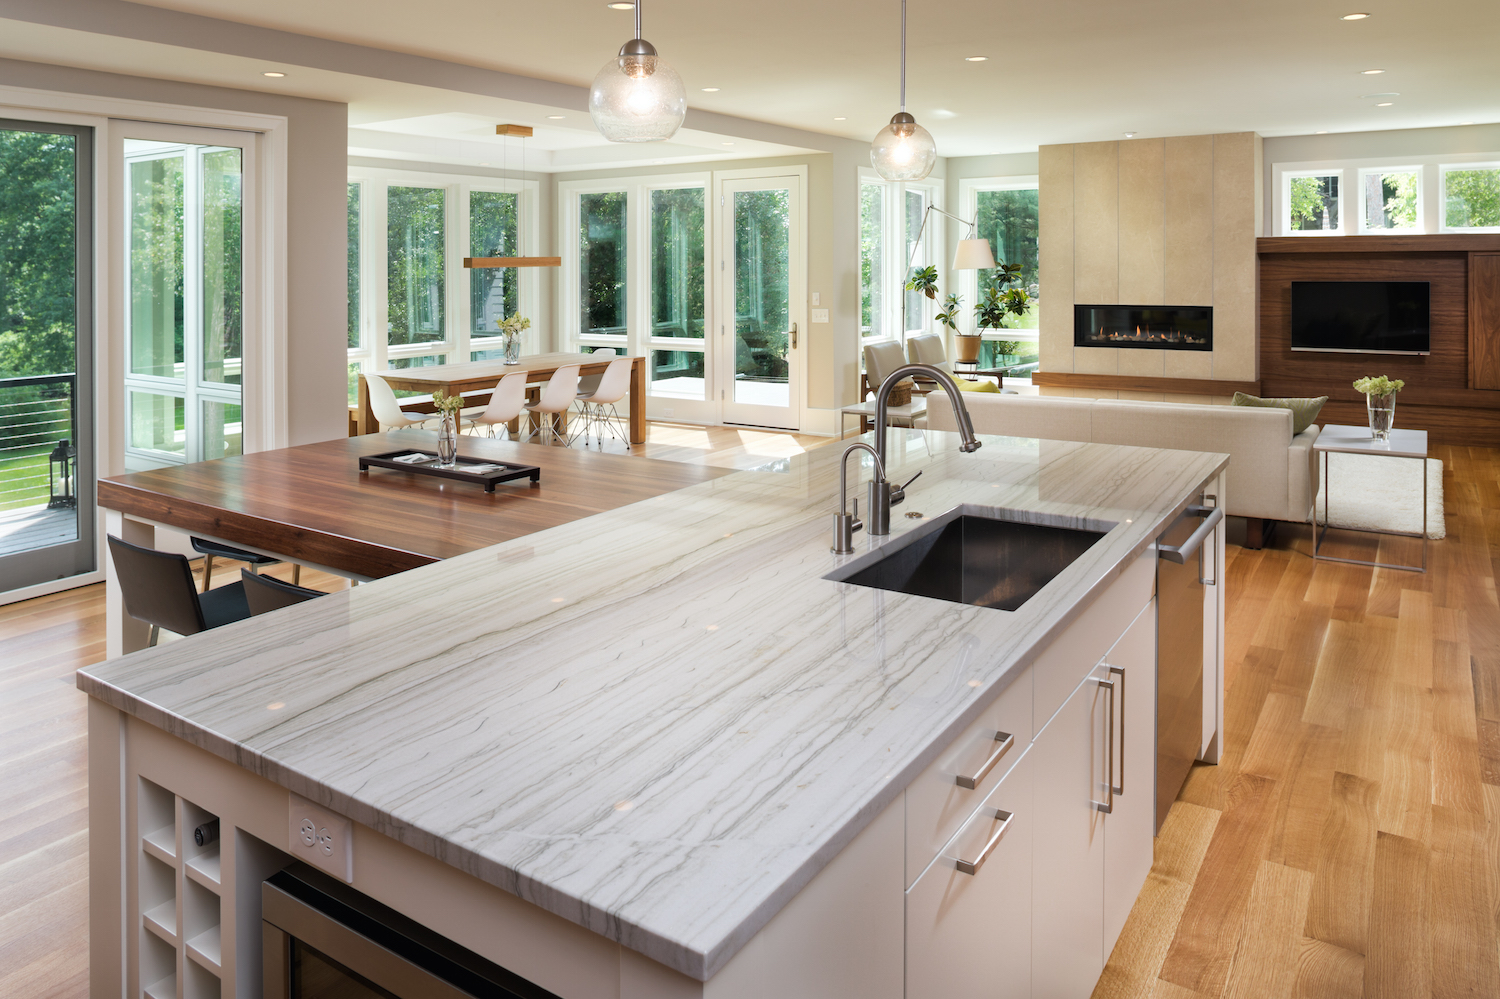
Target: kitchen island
x,y
656,752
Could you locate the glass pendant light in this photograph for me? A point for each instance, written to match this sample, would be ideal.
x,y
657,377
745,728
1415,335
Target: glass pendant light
x,y
903,150
636,96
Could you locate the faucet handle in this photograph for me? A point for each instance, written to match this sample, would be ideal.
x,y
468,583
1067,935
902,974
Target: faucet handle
x,y
898,493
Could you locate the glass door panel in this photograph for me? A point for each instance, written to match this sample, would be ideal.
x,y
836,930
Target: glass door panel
x,y
602,295
46,354
677,295
760,373
185,248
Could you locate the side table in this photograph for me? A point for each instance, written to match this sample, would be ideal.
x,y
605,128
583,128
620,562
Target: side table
x,y
1357,440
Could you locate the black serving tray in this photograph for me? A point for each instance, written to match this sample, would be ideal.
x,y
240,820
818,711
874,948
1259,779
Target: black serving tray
x,y
501,472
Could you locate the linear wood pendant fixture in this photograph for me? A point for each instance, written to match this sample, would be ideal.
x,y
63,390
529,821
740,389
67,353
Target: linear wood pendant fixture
x,y
524,132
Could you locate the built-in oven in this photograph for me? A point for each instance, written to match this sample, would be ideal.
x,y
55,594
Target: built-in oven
x,y
324,940
1181,578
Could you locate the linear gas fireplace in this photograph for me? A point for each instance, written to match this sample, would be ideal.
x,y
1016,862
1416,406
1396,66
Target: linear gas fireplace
x,y
1162,327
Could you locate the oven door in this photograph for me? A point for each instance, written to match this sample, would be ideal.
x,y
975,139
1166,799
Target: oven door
x,y
324,940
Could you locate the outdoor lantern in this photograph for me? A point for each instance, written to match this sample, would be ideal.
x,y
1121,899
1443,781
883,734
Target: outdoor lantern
x,y
62,465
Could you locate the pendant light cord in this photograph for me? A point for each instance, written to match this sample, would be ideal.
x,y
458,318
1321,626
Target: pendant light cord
x,y
903,46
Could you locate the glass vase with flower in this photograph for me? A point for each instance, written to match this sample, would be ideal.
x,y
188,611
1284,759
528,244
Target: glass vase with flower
x,y
1380,403
511,328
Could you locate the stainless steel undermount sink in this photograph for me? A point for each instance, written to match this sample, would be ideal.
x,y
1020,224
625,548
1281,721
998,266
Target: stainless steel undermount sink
x,y
969,557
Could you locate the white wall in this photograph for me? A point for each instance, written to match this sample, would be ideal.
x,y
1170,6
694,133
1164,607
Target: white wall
x,y
316,176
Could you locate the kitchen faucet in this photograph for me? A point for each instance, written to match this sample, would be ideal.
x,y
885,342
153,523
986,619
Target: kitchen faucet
x,y
883,495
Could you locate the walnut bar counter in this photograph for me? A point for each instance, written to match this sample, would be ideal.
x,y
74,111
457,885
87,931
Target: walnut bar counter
x,y
678,748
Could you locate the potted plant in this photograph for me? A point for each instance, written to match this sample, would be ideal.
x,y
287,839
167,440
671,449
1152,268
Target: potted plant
x,y
924,279
1380,403
966,346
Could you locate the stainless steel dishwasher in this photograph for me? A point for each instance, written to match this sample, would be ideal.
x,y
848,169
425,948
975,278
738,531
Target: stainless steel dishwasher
x,y
1180,581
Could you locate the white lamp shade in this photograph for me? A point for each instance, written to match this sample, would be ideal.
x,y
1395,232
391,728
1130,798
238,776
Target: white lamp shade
x,y
630,109
910,156
973,255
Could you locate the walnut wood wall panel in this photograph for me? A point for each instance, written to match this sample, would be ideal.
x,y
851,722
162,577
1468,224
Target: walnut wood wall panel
x,y
1484,321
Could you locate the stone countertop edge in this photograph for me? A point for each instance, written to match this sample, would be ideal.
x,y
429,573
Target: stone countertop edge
x,y
697,962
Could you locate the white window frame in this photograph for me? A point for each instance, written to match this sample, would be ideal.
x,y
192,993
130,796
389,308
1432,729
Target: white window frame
x,y
1430,200
893,235
1284,194
969,189
1442,196
1365,229
375,352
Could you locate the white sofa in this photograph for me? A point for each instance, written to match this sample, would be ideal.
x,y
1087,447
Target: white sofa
x,y
1273,475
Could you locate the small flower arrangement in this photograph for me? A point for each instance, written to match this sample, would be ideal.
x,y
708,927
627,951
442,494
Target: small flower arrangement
x,y
1379,385
513,324
447,403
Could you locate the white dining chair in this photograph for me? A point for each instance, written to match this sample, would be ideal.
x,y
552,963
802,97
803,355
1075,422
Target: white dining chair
x,y
557,397
613,386
506,403
588,383
387,410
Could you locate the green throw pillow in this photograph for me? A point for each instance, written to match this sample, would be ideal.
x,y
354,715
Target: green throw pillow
x,y
983,385
1304,411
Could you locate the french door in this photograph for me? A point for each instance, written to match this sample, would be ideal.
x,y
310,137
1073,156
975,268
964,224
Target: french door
x,y
762,277
189,298
47,463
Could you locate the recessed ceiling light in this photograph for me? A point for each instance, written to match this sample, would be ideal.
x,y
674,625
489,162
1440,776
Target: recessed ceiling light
x,y
1371,97
710,90
728,143
620,6
1466,123
976,58
1385,104
274,75
1371,72
556,117
1354,17
1323,132
846,119
1129,135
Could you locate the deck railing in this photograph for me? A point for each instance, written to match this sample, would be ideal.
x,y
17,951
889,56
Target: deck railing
x,y
36,412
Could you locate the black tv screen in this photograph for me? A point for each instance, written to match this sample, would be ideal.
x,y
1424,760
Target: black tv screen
x,y
1365,317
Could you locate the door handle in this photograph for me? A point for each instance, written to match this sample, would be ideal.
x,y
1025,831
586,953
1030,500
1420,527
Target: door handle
x,y
794,336
972,867
1108,805
1005,740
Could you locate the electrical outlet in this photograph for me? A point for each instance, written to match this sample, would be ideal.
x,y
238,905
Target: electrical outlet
x,y
667,411
820,315
320,838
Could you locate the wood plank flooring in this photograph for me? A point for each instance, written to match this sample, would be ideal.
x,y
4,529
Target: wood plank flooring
x,y
1347,845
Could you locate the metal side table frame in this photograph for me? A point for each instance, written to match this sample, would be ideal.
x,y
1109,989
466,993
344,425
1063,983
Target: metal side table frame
x,y
1411,444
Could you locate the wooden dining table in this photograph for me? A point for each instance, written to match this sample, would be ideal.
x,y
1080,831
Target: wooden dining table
x,y
312,505
476,376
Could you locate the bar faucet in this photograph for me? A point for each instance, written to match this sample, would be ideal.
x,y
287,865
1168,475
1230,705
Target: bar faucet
x,y
883,495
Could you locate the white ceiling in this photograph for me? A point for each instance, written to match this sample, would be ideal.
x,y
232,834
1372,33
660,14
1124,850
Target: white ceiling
x,y
1064,71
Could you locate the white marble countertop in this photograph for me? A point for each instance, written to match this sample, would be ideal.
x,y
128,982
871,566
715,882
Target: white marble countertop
x,y
659,722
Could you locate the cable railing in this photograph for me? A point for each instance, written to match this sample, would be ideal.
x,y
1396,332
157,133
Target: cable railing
x,y
36,412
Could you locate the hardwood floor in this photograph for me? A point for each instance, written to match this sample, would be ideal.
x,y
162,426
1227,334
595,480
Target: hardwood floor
x,y
1347,845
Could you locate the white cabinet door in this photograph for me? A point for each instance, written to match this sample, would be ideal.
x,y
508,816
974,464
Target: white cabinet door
x,y
1068,853
969,935
1129,828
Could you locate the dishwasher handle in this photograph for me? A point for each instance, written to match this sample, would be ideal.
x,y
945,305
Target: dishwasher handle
x,y
1181,553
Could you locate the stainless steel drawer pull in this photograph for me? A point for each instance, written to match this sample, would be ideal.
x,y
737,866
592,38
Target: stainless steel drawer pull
x,y
1108,805
1005,740
1181,553
1120,787
973,866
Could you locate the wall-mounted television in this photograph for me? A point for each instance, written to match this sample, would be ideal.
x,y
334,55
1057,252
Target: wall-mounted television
x,y
1362,317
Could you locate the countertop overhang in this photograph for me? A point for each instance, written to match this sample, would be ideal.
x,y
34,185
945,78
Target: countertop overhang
x,y
660,722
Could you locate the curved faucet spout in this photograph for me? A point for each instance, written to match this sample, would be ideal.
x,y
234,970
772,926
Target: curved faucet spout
x,y
960,411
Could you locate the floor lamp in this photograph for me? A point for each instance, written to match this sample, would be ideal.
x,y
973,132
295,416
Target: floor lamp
x,y
973,254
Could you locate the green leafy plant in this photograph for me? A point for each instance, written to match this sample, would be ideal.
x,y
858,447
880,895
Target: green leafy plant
x,y
1001,298
1379,385
949,315
925,280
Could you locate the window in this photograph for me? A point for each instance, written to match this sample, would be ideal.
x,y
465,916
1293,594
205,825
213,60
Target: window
x,y
1008,219
874,271
677,291
1471,198
353,286
602,266
415,266
1313,203
494,292
1390,200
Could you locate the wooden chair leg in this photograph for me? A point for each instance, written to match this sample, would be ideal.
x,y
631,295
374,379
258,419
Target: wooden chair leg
x,y
296,574
208,573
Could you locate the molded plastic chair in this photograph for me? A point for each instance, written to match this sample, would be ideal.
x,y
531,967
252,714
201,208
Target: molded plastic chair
x,y
880,360
588,383
506,402
613,386
264,594
211,550
158,589
387,409
556,398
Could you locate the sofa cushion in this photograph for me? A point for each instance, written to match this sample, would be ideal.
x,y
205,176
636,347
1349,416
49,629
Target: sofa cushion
x,y
1304,411
983,385
1050,417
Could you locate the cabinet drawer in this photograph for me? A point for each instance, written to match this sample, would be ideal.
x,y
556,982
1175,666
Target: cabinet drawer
x,y
969,935
938,801
1069,658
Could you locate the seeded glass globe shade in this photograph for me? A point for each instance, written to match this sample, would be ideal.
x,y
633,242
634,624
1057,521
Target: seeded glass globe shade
x,y
637,100
903,150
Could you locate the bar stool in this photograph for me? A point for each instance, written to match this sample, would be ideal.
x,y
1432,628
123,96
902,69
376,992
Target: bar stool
x,y
158,589
264,594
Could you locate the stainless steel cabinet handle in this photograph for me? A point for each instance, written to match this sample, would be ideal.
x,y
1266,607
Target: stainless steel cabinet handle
x,y
1108,805
1181,553
1120,788
1006,740
973,866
